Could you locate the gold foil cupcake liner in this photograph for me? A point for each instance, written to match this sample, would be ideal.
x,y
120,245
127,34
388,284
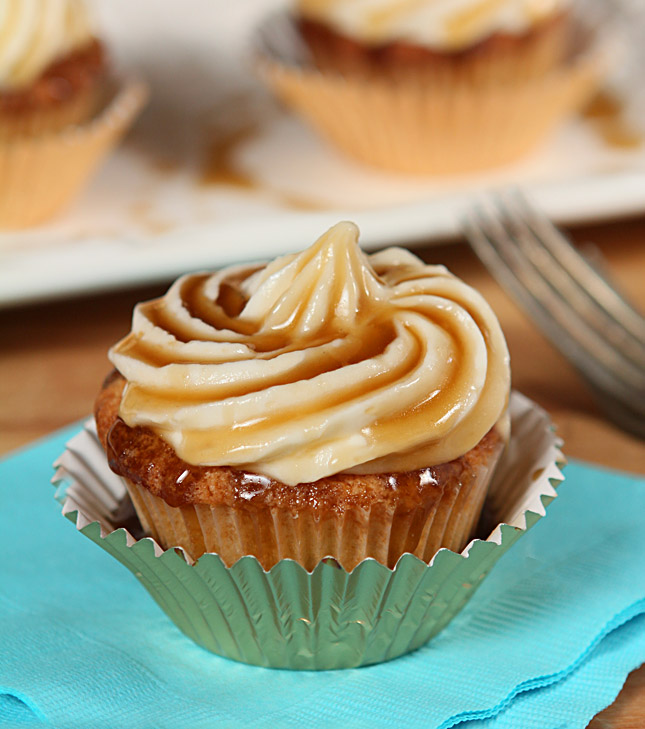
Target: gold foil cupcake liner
x,y
431,123
41,173
328,617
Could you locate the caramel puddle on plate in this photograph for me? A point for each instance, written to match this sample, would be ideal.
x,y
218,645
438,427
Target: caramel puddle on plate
x,y
166,166
142,212
606,114
219,169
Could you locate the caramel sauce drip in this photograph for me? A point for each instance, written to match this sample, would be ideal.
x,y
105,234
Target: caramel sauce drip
x,y
176,481
154,465
220,169
606,113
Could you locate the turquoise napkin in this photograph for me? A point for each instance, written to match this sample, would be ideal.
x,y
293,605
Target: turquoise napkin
x,y
546,642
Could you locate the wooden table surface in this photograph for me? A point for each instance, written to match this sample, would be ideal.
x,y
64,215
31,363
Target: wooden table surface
x,y
53,358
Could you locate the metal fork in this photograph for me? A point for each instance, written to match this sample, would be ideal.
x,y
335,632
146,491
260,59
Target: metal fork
x,y
569,299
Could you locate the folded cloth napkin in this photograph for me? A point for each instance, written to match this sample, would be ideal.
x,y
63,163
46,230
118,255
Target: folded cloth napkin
x,y
546,642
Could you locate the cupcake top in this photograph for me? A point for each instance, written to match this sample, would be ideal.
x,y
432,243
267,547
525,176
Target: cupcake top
x,y
449,25
36,33
317,363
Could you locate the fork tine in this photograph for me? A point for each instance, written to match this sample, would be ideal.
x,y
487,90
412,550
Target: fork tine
x,y
580,270
497,247
596,321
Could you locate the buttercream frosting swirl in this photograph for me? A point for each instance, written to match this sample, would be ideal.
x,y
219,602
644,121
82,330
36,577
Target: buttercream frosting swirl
x,y
442,24
35,33
320,362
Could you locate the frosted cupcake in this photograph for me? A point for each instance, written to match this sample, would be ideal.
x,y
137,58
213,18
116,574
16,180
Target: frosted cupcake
x,y
59,110
432,85
328,403
51,66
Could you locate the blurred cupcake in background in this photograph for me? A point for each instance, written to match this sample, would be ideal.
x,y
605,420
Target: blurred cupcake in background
x,y
51,65
432,86
60,110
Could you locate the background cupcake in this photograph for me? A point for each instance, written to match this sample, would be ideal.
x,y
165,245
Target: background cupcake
x,y
51,66
60,111
490,40
432,87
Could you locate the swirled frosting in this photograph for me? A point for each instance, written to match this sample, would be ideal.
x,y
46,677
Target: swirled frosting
x,y
317,363
442,24
35,33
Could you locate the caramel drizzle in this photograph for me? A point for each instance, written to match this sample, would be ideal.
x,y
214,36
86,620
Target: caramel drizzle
x,y
239,364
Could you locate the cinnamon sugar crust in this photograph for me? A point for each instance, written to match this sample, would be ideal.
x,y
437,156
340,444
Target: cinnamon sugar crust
x,y
142,457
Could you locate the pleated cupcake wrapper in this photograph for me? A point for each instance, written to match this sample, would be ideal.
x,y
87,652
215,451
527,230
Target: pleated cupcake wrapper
x,y
288,617
72,112
382,531
445,123
41,173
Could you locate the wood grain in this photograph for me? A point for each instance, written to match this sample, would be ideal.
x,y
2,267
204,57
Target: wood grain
x,y
628,711
53,358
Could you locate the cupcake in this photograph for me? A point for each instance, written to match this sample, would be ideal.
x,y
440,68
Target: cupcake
x,y
327,404
298,439
60,110
431,86
51,66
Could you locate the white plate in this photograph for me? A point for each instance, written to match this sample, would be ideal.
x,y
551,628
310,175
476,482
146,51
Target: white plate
x,y
149,214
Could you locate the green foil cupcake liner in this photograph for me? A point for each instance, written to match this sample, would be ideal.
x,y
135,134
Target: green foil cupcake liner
x,y
328,618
